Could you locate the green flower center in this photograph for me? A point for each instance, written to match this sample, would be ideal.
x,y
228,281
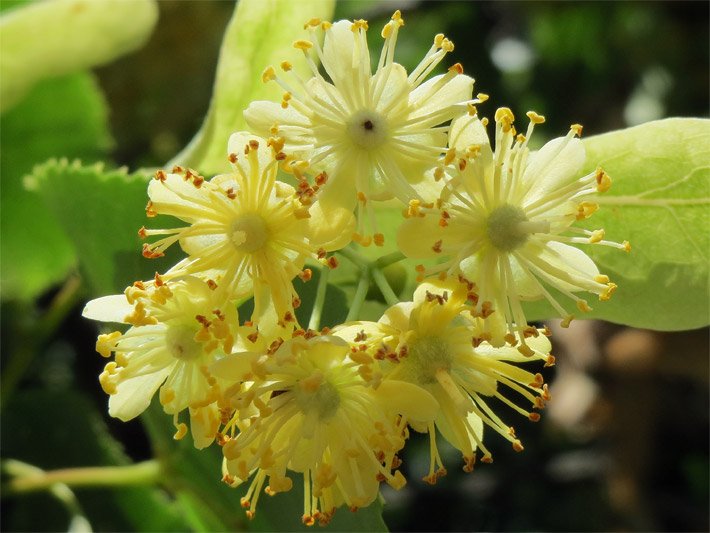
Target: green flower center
x,y
317,395
181,342
249,233
367,129
427,355
508,228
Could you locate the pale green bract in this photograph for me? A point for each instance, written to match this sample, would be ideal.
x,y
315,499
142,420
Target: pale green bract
x,y
660,203
48,39
256,37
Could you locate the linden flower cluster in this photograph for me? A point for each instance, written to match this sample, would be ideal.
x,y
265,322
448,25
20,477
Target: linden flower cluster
x,y
335,407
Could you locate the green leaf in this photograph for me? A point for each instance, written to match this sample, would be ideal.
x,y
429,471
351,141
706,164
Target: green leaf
x,y
660,203
81,439
61,117
101,212
260,33
48,39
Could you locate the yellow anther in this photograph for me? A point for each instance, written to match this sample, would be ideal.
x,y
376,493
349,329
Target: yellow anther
x,y
166,395
603,180
397,17
438,173
325,25
181,431
577,129
457,68
626,245
286,66
473,151
520,138
601,278
450,156
274,129
586,210
596,236
482,97
106,343
362,198
447,46
526,350
535,118
484,121
471,109
387,30
518,446
610,289
504,116
439,39
303,44
313,23
268,74
359,24
583,306
566,321
379,239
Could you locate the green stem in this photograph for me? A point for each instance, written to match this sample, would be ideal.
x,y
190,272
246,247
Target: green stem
x,y
28,478
43,330
390,297
389,259
354,257
314,322
360,293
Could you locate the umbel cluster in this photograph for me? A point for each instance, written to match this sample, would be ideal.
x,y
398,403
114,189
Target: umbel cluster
x,y
493,221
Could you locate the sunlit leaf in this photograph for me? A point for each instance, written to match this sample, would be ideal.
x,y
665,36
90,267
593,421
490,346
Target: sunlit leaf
x,y
61,117
100,211
260,34
47,39
660,202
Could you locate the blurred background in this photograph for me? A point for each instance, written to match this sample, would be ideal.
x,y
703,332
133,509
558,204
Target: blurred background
x,y
623,445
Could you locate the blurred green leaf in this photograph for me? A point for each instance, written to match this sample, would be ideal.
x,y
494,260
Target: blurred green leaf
x,y
101,211
260,34
61,117
47,39
81,439
660,202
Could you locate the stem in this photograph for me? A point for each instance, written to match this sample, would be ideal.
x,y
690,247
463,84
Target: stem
x,y
360,294
314,322
354,257
31,479
389,259
381,281
45,327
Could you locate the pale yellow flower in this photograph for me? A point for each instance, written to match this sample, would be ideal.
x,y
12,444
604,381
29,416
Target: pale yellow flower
x,y
505,219
247,233
435,342
178,329
306,406
374,135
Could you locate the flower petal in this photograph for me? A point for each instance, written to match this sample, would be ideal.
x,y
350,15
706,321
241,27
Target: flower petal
x,y
114,308
407,399
134,394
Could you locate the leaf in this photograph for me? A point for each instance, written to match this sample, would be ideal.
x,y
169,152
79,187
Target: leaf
x,y
101,212
81,439
48,39
260,33
34,252
660,202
